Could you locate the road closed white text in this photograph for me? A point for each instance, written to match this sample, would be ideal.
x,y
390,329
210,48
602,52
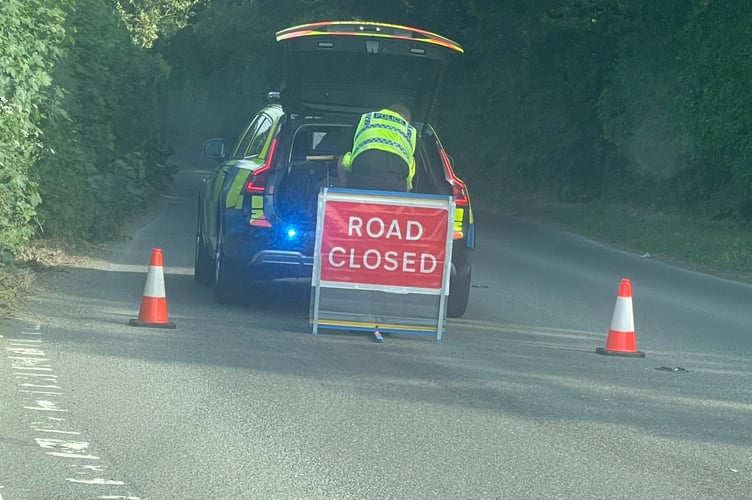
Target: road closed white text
x,y
381,257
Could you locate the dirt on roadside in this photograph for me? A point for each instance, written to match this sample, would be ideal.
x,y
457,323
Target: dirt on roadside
x,y
41,257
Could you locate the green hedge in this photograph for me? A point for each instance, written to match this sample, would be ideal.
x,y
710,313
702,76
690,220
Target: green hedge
x,y
32,35
104,155
81,138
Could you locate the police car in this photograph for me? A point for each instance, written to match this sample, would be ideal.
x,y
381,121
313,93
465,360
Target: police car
x,y
257,209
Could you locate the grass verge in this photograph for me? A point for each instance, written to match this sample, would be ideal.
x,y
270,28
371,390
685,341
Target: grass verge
x,y
14,284
716,247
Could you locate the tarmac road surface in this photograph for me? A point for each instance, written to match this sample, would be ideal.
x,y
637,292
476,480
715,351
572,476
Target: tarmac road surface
x,y
241,402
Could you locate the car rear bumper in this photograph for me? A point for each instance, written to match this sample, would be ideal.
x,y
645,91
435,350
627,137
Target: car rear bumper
x,y
277,264
264,253
281,258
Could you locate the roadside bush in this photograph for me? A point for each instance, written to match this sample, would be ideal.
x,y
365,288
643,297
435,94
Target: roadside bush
x,y
80,131
105,152
32,35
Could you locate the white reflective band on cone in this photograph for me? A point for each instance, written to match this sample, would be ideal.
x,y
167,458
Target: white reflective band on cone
x,y
154,286
623,319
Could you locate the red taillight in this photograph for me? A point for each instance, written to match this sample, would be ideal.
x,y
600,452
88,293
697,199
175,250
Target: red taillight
x,y
257,179
459,188
459,191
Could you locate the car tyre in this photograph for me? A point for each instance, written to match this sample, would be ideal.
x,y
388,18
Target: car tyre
x,y
226,283
459,294
203,267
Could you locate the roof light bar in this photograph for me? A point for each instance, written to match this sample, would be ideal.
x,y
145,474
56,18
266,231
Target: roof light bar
x,y
365,28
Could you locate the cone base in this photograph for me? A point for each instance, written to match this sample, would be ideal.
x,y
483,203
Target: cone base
x,y
628,354
149,324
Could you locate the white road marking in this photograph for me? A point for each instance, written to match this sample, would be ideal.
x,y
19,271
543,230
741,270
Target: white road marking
x,y
95,468
71,455
43,405
59,443
54,419
28,351
56,431
27,361
96,481
29,365
44,377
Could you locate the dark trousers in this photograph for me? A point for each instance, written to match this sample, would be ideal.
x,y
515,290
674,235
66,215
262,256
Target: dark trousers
x,y
378,170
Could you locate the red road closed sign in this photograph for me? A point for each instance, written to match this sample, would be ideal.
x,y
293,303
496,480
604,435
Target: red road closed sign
x,y
384,244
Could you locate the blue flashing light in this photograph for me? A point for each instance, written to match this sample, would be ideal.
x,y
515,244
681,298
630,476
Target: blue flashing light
x,y
291,233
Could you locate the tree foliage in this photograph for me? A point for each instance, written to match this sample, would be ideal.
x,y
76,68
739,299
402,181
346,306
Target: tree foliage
x,y
79,121
106,140
715,108
32,35
577,98
147,20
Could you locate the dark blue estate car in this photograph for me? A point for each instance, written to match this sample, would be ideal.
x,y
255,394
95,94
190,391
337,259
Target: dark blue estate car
x,y
257,209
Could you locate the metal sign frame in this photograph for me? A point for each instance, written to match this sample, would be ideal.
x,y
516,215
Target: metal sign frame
x,y
433,320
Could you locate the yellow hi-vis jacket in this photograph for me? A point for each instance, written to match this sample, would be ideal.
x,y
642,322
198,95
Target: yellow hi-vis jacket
x,y
387,131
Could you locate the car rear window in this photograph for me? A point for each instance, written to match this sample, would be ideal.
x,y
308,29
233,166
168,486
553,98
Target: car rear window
x,y
318,139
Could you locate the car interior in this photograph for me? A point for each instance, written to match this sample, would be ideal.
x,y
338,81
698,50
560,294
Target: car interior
x,y
316,148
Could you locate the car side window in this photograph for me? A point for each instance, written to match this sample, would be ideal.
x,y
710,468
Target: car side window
x,y
259,137
429,167
432,150
254,134
245,140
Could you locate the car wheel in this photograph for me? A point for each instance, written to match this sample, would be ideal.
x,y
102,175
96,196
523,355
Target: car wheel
x,y
226,283
203,267
459,294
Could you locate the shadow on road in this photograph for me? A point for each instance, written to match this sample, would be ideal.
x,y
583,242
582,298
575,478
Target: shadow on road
x,y
541,374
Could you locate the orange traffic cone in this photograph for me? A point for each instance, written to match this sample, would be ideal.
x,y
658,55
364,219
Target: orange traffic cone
x,y
153,311
622,339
